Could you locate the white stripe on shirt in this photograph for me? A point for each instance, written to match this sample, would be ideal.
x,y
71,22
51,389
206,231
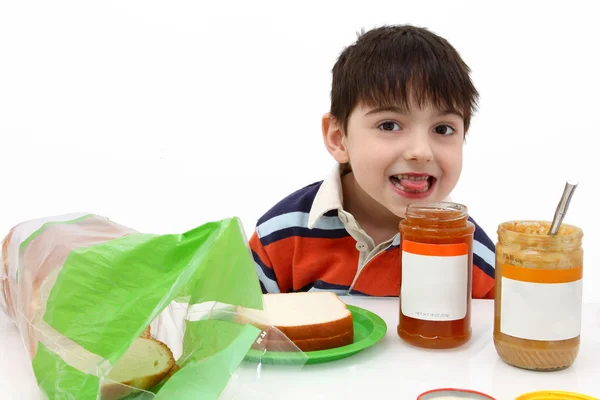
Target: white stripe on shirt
x,y
269,284
294,220
486,254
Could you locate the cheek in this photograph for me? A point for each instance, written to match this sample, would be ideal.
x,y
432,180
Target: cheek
x,y
371,161
364,152
451,162
370,165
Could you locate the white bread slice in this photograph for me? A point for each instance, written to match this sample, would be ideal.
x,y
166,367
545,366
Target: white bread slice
x,y
311,320
144,365
146,334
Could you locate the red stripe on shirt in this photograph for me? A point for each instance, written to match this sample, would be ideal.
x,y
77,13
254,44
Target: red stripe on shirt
x,y
300,261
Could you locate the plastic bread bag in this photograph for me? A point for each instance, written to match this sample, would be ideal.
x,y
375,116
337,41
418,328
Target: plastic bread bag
x,y
106,312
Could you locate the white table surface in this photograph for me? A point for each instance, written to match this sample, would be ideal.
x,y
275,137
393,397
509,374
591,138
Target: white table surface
x,y
390,369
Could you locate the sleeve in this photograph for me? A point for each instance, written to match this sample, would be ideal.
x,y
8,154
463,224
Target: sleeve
x,y
263,265
484,260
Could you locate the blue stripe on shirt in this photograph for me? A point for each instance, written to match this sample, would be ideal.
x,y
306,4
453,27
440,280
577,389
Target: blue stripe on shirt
x,y
485,267
262,287
296,219
482,237
484,253
300,200
267,285
305,233
269,273
322,286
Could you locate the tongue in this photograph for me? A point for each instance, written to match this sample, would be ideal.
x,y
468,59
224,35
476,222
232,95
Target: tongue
x,y
414,185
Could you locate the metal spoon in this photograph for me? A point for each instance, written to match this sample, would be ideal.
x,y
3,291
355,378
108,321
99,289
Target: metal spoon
x,y
562,207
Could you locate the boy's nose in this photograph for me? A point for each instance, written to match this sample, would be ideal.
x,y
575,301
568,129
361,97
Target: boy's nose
x,y
419,149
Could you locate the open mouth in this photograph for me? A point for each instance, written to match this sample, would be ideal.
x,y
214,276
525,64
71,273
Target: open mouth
x,y
413,183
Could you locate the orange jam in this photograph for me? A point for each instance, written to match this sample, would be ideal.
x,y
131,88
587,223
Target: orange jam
x,y
436,244
537,313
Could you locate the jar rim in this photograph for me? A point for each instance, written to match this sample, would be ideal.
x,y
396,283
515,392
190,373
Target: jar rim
x,y
446,211
575,233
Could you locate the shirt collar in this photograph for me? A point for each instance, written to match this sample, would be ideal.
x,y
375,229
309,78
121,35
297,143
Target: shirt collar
x,y
329,196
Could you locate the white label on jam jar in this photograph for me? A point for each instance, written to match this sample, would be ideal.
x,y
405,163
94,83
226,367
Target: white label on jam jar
x,y
541,305
434,281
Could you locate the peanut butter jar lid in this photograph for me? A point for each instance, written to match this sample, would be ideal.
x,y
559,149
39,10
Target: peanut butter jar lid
x,y
554,395
453,393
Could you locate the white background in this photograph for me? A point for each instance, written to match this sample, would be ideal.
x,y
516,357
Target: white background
x,y
166,115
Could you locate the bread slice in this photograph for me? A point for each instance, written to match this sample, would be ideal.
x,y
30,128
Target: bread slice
x,y
310,344
146,334
311,320
144,365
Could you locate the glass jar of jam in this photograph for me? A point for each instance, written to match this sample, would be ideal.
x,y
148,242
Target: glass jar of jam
x,y
436,245
538,295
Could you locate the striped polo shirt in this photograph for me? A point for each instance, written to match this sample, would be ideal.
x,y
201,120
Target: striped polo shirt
x,y
308,242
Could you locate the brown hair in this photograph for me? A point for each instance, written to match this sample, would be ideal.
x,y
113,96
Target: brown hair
x,y
390,65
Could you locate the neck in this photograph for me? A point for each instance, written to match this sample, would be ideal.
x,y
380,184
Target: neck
x,y
374,218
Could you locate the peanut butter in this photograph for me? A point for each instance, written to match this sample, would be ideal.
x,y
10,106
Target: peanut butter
x,y
538,295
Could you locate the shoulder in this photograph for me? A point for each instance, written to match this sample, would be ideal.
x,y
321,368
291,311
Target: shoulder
x,y
481,236
484,250
290,212
300,201
290,217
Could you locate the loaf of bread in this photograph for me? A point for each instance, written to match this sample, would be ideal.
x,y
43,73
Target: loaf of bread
x,y
146,334
146,363
27,273
311,320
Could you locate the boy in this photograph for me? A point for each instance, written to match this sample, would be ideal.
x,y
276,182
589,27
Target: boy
x,y
401,103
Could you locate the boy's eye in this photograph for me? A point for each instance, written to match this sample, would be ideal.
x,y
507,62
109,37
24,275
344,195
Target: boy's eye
x,y
389,126
444,130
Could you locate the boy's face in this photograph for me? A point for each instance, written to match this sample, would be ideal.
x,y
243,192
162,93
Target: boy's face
x,y
401,156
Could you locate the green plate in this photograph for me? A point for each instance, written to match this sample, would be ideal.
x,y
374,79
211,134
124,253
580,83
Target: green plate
x,y
369,329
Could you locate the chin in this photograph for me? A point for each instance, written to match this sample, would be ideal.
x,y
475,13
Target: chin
x,y
400,212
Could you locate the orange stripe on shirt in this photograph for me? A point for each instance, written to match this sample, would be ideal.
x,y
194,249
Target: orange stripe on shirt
x,y
300,261
482,284
381,276
258,248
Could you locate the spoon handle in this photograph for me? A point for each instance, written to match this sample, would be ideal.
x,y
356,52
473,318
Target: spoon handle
x,y
563,205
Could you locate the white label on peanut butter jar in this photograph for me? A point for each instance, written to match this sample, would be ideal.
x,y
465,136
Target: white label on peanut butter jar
x,y
434,281
541,305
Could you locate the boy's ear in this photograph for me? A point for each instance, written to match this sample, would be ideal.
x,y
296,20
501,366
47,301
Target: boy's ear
x,y
334,139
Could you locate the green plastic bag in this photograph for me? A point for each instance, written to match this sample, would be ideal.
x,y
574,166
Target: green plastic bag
x,y
81,289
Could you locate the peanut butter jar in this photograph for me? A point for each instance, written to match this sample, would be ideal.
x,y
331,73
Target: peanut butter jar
x,y
538,295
